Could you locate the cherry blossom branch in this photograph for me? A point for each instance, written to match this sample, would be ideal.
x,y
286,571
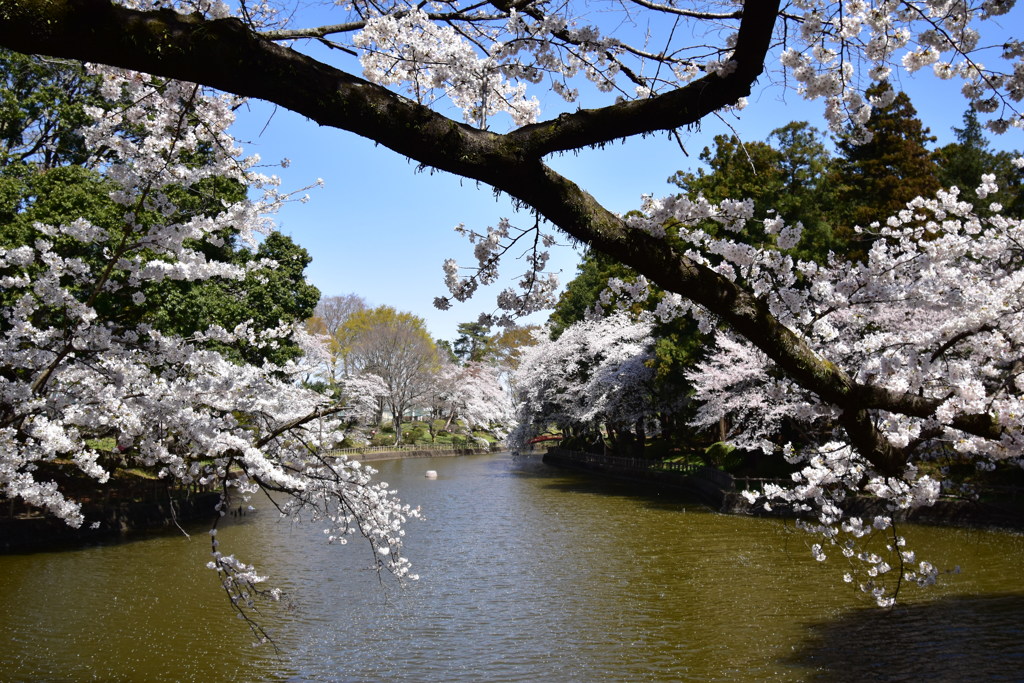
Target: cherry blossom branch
x,y
667,111
953,341
462,15
692,14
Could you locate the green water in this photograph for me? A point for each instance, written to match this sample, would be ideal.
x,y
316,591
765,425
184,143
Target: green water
x,y
528,574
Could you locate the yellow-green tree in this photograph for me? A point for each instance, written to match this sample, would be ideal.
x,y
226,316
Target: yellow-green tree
x,y
397,348
506,347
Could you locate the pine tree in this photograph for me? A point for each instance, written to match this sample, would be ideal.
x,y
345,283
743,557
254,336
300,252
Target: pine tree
x,y
786,176
876,179
963,162
472,344
804,166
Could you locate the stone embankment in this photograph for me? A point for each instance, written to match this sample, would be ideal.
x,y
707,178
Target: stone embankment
x,y
371,453
722,492
705,483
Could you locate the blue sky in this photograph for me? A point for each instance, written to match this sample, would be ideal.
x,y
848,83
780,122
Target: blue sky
x,y
380,229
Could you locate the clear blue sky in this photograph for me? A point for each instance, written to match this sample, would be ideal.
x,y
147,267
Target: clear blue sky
x,y
380,229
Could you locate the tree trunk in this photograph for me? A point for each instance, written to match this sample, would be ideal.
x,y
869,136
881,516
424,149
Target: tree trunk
x,y
396,416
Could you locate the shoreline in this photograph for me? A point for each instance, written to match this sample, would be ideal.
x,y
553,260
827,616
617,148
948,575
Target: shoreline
x,y
120,522
125,521
411,453
716,490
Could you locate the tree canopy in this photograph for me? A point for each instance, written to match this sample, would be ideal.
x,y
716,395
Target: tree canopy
x,y
880,175
135,334
957,385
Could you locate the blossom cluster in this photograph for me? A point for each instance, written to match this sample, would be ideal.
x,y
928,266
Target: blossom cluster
x,y
427,58
535,290
940,34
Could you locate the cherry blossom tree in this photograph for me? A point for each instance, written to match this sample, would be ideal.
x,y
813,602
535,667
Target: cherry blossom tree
x,y
682,64
364,396
595,377
475,393
74,368
934,316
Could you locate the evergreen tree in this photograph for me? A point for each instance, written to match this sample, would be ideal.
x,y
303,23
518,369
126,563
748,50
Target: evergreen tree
x,y
962,164
1010,179
804,166
445,352
788,179
48,177
583,291
472,344
876,179
42,107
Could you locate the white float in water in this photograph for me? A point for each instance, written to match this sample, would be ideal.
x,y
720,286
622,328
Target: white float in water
x,y
431,474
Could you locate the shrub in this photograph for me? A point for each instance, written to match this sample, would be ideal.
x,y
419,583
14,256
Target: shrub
x,y
382,438
485,436
723,456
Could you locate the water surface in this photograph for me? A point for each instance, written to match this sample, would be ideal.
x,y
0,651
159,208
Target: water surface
x,y
527,573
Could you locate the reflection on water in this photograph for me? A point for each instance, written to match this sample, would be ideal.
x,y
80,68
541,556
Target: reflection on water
x,y
950,639
528,573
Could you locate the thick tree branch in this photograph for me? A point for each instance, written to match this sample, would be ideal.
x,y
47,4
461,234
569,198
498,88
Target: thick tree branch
x,y
225,54
673,109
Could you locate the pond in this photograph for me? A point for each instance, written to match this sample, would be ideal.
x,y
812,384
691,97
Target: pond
x,y
527,573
